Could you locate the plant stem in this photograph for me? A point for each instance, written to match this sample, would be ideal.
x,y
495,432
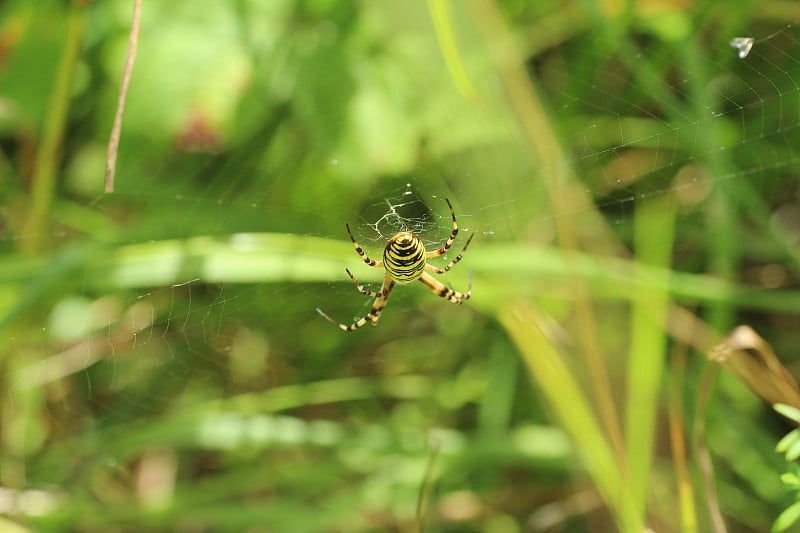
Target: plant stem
x,y
46,157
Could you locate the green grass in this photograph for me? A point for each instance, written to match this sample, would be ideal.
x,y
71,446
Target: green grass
x,y
630,182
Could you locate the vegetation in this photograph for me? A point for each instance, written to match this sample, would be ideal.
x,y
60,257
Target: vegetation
x,y
631,182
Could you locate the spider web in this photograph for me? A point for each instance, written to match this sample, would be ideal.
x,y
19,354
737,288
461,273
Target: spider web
x,y
199,317
404,212
145,340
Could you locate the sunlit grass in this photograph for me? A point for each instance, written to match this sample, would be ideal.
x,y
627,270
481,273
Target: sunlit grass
x,y
630,183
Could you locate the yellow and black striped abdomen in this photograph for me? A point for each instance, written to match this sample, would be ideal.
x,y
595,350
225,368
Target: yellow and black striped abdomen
x,y
404,257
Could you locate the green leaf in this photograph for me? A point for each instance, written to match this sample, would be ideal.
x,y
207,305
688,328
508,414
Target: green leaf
x,y
787,441
787,518
794,450
792,413
791,480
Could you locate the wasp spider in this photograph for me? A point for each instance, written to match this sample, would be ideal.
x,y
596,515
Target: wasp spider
x,y
405,260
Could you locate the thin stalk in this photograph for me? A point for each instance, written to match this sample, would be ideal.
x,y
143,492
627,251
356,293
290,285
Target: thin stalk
x,y
722,243
441,17
47,156
654,231
547,367
116,129
680,455
564,196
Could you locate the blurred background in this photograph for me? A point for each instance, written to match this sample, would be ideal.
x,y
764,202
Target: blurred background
x,y
629,170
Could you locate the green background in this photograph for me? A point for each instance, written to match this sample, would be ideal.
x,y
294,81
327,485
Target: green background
x,y
631,183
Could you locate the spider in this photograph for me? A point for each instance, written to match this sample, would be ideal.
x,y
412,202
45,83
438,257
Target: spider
x,y
405,260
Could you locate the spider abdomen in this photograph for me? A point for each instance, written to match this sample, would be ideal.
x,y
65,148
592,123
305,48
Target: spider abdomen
x,y
404,257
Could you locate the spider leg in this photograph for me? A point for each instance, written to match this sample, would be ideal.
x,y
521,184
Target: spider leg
x,y
374,313
360,251
360,288
452,263
450,239
442,290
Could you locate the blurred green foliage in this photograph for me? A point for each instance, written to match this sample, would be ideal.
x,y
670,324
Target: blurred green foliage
x,y
162,366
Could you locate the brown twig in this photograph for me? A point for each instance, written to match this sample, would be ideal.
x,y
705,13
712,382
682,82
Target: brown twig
x,y
113,141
